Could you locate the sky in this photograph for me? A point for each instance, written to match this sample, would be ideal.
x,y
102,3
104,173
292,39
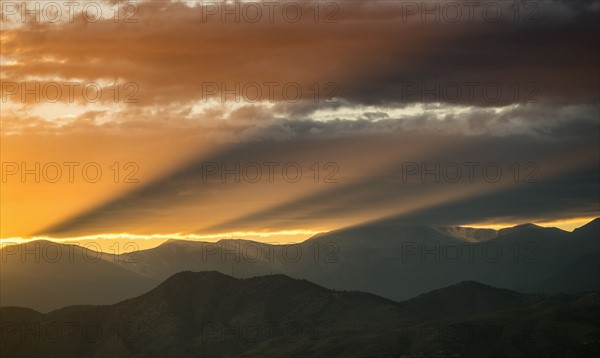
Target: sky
x,y
276,122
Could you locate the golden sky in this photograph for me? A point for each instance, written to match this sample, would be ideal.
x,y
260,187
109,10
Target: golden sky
x,y
353,96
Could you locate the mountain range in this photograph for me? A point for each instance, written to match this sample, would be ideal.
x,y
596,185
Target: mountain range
x,y
390,259
209,314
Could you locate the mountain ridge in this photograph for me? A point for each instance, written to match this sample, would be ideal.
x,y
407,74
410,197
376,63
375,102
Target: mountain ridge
x,y
371,259
210,313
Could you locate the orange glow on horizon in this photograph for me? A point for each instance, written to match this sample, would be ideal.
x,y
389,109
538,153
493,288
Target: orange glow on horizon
x,y
563,224
106,242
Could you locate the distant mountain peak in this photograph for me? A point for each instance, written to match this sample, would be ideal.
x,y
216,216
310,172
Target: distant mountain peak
x,y
182,243
527,226
187,275
590,230
521,227
174,242
470,287
464,299
471,284
592,224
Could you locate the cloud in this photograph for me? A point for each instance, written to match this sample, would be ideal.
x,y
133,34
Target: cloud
x,y
371,182
382,85
374,54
